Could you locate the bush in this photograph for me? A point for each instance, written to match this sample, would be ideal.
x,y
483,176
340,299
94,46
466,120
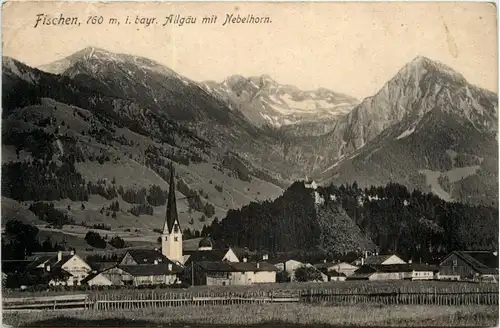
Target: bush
x,y
305,274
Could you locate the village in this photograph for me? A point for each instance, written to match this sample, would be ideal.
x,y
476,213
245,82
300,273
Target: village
x,y
212,265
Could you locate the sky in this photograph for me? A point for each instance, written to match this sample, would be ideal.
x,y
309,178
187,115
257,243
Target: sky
x,y
353,48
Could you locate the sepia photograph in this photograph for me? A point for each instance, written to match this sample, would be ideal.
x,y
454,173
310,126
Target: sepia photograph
x,y
249,164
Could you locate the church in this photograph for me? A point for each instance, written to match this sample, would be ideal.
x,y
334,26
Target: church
x,y
165,266
150,266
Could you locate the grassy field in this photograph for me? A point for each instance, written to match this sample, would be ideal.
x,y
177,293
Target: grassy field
x,y
277,288
275,315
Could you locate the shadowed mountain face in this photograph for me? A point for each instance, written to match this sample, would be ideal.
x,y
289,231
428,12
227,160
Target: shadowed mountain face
x,y
426,118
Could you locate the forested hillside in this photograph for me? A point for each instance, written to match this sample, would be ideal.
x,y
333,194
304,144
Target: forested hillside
x,y
396,220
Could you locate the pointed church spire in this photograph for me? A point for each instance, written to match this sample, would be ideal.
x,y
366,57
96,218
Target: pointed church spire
x,y
171,216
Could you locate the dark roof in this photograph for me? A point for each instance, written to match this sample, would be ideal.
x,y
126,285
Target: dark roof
x,y
476,265
377,259
215,266
100,266
37,261
218,266
209,255
206,242
423,267
147,256
150,269
171,217
252,266
487,258
49,261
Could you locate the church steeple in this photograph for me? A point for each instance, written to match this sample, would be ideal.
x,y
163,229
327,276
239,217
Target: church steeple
x,y
171,238
171,216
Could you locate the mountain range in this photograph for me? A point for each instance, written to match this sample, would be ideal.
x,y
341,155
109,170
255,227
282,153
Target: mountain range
x,y
122,118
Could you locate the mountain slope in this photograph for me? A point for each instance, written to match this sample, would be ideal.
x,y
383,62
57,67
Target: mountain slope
x,y
84,147
265,102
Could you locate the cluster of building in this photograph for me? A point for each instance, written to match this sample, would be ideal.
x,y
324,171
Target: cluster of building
x,y
212,265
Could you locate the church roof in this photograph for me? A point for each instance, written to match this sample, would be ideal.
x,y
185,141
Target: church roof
x,y
205,242
171,215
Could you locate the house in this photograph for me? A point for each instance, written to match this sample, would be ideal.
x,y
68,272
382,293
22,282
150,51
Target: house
x,y
329,272
405,271
143,257
287,265
98,279
380,260
137,275
153,274
344,268
381,272
59,266
420,271
248,273
206,252
234,273
464,265
109,276
212,273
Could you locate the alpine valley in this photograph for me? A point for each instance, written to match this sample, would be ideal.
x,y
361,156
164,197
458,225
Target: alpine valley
x,y
94,133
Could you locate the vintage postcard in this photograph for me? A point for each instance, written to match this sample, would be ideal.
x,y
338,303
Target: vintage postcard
x,y
238,163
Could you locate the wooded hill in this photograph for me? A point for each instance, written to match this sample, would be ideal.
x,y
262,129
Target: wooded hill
x,y
412,224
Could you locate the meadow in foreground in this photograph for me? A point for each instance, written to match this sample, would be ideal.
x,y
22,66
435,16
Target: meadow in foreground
x,y
267,315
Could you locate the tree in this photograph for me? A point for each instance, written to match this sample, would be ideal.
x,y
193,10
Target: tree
x,y
282,276
94,239
117,242
307,273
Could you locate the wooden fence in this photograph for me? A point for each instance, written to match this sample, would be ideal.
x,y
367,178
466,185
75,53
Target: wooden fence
x,y
107,302
403,298
80,301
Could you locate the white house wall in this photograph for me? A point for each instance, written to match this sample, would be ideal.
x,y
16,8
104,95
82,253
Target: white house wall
x,y
77,267
265,277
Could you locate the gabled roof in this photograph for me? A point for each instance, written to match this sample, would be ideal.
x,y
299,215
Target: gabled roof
x,y
49,261
331,273
37,261
171,217
473,262
377,259
147,256
208,255
150,269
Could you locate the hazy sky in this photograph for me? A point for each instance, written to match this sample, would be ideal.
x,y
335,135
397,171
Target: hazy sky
x,y
352,48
